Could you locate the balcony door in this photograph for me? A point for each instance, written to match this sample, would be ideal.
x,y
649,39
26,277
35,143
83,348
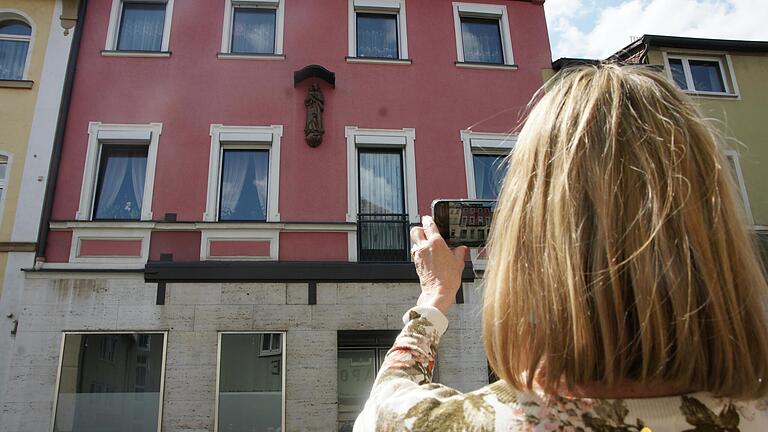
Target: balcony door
x,y
382,218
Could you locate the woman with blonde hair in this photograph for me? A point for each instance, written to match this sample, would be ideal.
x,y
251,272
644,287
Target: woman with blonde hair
x,y
622,291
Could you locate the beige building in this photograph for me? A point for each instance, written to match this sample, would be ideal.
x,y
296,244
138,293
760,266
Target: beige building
x,y
35,41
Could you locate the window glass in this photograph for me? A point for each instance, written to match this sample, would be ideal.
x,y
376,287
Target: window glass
x,y
706,76
244,185
141,27
253,31
482,40
360,356
383,225
678,73
101,394
120,190
377,35
489,175
250,385
14,44
16,28
381,182
3,172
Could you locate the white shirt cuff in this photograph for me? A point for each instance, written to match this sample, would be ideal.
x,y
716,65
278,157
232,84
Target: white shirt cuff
x,y
438,320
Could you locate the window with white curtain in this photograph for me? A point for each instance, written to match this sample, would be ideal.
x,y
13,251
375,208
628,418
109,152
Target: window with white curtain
x,y
15,37
120,188
139,26
377,30
243,174
244,178
482,34
253,28
119,172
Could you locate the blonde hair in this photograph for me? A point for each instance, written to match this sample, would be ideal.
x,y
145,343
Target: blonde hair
x,y
618,250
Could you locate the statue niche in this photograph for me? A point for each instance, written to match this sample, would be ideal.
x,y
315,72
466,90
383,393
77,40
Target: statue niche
x,y
315,103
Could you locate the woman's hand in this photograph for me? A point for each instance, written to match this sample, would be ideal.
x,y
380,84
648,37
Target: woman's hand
x,y
439,267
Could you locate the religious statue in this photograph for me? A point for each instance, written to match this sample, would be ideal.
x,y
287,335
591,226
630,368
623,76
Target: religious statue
x,y
315,103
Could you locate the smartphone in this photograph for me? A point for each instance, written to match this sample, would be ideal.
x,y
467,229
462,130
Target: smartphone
x,y
463,222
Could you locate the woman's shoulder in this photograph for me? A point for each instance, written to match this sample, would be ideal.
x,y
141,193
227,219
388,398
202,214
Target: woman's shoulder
x,y
516,410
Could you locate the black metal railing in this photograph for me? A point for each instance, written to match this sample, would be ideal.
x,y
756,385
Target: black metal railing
x,y
382,237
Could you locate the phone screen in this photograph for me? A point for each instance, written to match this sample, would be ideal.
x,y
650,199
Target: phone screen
x,y
464,222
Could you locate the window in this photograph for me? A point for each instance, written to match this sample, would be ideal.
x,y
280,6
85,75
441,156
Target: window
x,y
15,38
3,173
92,395
482,35
243,173
701,74
490,170
485,159
120,188
139,26
243,195
738,179
360,355
249,386
270,344
253,28
382,222
377,30
382,199
119,172
481,39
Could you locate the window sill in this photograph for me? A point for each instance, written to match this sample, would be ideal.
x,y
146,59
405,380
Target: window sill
x,y
19,84
374,60
711,94
235,56
112,53
475,65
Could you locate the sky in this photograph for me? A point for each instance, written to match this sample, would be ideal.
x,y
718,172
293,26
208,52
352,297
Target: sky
x,y
598,28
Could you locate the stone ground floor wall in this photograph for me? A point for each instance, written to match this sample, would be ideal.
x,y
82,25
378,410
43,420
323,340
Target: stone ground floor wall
x,y
193,315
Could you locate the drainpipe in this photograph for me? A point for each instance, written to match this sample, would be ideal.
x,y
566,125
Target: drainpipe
x,y
58,139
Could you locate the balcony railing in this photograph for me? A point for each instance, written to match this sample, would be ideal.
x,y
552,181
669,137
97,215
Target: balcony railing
x,y
382,237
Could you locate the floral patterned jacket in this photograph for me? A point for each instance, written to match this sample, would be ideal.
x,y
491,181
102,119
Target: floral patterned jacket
x,y
405,399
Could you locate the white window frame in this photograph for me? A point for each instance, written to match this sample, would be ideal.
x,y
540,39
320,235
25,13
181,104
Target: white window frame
x,y
118,134
387,139
733,155
5,158
726,72
61,362
393,7
483,143
229,16
218,372
384,139
271,352
485,11
244,137
13,14
114,24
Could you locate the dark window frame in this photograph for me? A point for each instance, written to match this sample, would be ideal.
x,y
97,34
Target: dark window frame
x,y
119,28
224,150
104,149
387,15
482,19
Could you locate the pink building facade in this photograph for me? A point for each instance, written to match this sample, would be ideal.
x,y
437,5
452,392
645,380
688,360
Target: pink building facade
x,y
194,231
